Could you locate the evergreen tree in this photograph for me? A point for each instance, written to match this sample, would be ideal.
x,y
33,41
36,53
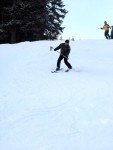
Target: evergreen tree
x,y
55,13
30,20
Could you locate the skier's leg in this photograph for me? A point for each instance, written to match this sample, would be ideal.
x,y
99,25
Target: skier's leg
x,y
67,63
59,61
109,35
106,34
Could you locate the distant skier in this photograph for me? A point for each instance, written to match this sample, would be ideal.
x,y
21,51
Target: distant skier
x,y
111,32
64,53
106,27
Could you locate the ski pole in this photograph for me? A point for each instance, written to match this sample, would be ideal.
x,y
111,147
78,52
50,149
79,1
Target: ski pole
x,y
51,48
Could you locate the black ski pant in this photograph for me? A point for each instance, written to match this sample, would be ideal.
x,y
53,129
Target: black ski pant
x,y
111,35
107,34
65,61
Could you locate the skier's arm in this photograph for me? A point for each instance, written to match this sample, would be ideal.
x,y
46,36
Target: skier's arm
x,y
103,27
57,48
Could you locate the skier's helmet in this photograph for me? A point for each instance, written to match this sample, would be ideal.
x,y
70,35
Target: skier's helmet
x,y
105,22
67,41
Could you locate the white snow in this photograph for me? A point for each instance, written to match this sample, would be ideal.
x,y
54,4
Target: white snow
x,y
61,111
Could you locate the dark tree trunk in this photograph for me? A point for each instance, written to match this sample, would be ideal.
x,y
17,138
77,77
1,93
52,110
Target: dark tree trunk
x,y
13,36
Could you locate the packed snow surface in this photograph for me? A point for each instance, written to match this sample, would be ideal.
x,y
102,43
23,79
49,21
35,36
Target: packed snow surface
x,y
40,110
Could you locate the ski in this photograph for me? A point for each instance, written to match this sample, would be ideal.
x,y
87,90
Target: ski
x,y
67,70
56,71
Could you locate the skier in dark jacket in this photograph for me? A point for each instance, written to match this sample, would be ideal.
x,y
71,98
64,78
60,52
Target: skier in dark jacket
x,y
106,27
64,53
111,32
